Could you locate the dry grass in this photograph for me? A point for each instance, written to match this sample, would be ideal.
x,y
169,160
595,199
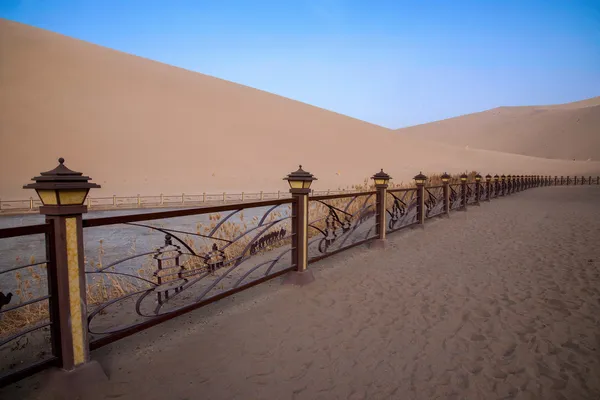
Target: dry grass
x,y
106,286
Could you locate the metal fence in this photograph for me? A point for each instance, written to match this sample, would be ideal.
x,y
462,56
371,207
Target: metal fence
x,y
162,201
138,270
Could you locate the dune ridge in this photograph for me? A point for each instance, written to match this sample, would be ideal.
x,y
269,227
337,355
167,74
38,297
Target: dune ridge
x,y
561,131
137,126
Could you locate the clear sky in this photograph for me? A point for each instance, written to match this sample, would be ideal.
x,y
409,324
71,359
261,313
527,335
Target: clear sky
x,y
393,63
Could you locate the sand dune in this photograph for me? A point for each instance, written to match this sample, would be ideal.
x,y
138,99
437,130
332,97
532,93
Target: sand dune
x,y
139,126
563,131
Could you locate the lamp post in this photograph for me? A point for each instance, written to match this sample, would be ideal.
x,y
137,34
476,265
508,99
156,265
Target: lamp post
x,y
300,182
477,189
420,182
381,180
446,185
463,192
496,185
63,193
521,183
488,186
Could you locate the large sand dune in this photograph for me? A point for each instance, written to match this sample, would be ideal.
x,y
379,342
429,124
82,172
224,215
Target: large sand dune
x,y
564,131
139,126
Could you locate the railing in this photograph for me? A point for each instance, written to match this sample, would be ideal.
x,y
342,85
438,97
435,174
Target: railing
x,y
339,222
145,269
162,201
434,201
139,270
29,338
402,209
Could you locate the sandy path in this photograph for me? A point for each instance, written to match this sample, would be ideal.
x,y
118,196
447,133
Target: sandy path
x,y
500,302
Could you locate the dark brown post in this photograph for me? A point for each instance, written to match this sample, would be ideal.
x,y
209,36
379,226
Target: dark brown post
x,y
488,187
463,192
381,180
420,182
300,182
589,180
446,183
63,193
582,179
496,185
568,180
477,189
503,184
562,179
555,180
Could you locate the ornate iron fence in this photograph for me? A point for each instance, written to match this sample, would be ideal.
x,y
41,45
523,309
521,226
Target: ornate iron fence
x,y
139,270
402,209
434,201
29,338
339,222
455,197
187,259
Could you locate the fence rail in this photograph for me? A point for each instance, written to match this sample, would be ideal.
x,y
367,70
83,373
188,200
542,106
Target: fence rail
x,y
161,201
138,270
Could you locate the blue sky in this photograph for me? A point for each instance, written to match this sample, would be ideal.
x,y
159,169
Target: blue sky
x,y
393,63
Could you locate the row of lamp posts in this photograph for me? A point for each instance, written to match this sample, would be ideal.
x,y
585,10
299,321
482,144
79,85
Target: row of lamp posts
x,y
63,193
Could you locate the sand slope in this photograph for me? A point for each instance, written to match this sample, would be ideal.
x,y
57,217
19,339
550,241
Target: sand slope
x,y
139,126
564,131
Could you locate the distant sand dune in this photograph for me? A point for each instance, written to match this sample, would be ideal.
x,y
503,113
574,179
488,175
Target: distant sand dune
x,y
563,131
139,126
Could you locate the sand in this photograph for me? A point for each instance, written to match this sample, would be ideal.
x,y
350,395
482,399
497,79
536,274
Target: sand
x,y
565,131
502,301
137,126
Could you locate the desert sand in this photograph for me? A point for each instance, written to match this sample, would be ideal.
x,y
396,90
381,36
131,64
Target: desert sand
x,y
137,126
502,301
563,131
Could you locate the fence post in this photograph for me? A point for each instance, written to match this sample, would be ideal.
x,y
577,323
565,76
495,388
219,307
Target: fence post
x,y
66,272
463,192
162,199
242,196
31,203
568,180
204,197
278,194
261,195
555,180
477,189
582,179
182,198
381,184
589,180
300,182
446,185
89,202
139,201
420,180
503,185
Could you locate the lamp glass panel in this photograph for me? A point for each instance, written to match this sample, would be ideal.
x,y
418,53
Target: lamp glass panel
x,y
307,184
72,197
295,184
48,197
